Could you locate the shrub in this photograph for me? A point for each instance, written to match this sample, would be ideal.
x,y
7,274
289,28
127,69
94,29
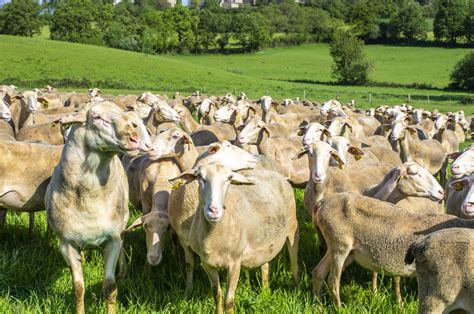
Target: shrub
x,y
462,76
20,17
351,65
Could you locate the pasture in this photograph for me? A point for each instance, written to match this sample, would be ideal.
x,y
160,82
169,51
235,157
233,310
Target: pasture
x,y
33,275
35,62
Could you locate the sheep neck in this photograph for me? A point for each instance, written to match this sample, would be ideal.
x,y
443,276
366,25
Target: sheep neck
x,y
188,123
188,159
266,116
262,141
80,162
387,190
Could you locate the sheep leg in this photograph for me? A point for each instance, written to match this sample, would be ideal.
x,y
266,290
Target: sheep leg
x,y
109,288
213,275
123,269
264,269
431,304
374,282
73,259
396,286
3,217
233,279
293,252
189,259
32,223
335,273
320,273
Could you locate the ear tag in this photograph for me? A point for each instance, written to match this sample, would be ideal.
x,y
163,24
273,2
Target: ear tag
x,y
357,157
340,165
458,187
177,185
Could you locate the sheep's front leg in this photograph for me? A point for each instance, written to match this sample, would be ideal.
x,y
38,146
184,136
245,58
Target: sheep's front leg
x,y
109,288
189,259
213,275
3,217
265,269
374,282
73,259
32,223
320,273
396,286
233,280
338,261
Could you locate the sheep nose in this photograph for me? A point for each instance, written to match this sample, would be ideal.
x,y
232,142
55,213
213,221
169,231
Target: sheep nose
x,y
213,209
155,259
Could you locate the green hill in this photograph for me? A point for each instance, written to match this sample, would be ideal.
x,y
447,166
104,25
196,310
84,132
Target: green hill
x,y
33,62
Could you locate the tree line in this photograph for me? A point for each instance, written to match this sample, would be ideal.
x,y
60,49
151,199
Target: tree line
x,y
152,26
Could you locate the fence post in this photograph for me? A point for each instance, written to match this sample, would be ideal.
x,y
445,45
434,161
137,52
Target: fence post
x,y
409,98
370,98
304,95
429,103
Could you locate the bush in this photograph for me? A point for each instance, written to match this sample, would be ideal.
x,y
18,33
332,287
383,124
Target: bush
x,y
462,76
21,18
351,65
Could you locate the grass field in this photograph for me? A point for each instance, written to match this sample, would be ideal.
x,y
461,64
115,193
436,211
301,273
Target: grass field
x,y
34,62
34,277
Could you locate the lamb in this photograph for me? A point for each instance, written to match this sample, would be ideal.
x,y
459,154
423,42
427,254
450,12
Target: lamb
x,y
204,134
445,276
279,150
460,199
407,182
161,117
324,180
23,182
355,229
429,154
50,133
87,198
183,201
241,235
149,175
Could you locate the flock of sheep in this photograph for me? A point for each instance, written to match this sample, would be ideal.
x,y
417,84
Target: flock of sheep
x,y
224,185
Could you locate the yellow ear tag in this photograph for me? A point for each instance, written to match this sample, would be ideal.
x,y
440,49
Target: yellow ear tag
x,y
339,164
357,157
237,117
177,185
458,186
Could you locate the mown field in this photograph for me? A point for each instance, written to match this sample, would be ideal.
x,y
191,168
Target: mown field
x,y
34,62
33,275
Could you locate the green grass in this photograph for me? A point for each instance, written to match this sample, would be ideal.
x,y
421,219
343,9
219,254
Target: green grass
x,y
402,65
34,278
32,62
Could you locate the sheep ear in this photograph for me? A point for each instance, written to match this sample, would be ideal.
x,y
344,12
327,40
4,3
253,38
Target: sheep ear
x,y
214,148
454,155
400,177
327,133
184,178
349,126
187,139
266,130
137,223
411,130
459,185
300,154
239,179
356,152
301,130
336,156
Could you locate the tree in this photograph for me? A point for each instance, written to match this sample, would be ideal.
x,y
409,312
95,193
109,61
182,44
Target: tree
x,y
408,22
72,21
20,17
462,76
351,65
363,18
449,19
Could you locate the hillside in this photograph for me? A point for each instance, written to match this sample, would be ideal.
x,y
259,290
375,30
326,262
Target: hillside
x,y
32,62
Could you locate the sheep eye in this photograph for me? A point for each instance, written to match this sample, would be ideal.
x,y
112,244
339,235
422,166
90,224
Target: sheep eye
x,y
134,124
